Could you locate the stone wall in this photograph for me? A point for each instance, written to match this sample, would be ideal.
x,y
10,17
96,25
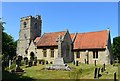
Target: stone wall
x,y
48,58
102,57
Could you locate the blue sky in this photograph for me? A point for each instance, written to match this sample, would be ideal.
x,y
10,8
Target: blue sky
x,y
74,16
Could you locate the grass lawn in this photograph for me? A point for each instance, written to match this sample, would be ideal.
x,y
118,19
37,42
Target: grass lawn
x,y
83,71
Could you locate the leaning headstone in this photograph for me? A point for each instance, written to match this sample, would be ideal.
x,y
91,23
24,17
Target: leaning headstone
x,y
95,73
98,72
35,61
114,76
104,67
76,63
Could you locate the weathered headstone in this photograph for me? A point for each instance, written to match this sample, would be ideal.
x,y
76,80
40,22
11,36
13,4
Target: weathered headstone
x,y
46,62
95,73
19,58
43,62
85,61
98,72
26,60
10,63
51,63
104,67
114,76
30,62
101,69
35,61
76,63
18,62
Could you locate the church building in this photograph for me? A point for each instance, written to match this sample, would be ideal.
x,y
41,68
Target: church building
x,y
89,47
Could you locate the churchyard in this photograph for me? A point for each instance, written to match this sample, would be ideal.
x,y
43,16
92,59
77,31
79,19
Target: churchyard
x,y
79,71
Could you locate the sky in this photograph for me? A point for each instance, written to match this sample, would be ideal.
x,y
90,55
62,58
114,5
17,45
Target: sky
x,y
59,16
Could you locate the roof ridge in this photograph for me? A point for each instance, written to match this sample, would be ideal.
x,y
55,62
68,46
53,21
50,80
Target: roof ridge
x,y
92,31
55,32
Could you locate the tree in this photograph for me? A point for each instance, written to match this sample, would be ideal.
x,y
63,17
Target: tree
x,y
116,47
8,44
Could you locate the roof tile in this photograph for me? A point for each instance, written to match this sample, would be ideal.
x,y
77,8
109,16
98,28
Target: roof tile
x,y
91,40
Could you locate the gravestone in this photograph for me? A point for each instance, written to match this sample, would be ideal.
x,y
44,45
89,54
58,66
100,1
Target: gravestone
x,y
18,69
101,69
98,72
42,62
76,63
51,63
85,61
26,60
10,63
20,58
35,61
46,62
30,62
95,73
104,67
115,76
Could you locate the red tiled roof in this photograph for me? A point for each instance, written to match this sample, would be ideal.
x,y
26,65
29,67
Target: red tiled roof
x,y
49,39
91,40
36,39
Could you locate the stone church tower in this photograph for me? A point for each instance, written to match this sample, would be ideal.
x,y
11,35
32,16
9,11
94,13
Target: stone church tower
x,y
30,28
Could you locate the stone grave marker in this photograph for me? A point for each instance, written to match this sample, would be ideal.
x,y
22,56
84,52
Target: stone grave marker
x,y
35,61
98,72
10,62
104,67
30,62
76,63
26,60
95,73
115,76
46,62
101,69
85,61
73,62
17,69
20,58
